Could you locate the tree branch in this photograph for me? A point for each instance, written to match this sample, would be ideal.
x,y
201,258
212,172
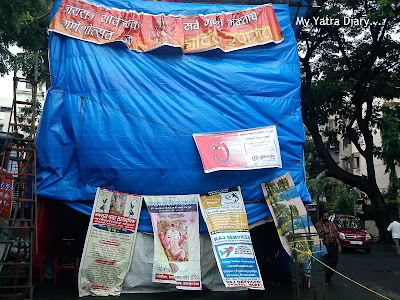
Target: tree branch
x,y
333,170
36,19
345,56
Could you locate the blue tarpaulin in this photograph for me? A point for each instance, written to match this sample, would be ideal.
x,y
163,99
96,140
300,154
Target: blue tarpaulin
x,y
123,120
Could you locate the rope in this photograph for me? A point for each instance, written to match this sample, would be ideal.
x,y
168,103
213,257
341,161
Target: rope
x,y
303,242
299,241
309,253
153,121
127,112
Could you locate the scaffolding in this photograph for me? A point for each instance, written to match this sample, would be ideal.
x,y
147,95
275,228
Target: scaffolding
x,y
18,207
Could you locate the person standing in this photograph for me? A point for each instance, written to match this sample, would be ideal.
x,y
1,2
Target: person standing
x,y
330,238
394,227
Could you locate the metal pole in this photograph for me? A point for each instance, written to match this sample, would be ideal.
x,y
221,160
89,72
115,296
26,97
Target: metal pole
x,y
34,95
294,254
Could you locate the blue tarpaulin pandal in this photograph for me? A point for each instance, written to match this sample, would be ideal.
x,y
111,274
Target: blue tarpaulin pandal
x,y
123,120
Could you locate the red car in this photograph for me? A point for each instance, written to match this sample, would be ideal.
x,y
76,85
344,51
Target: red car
x,y
352,233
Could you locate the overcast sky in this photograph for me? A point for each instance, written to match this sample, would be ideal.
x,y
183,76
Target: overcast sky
x,y
6,90
6,84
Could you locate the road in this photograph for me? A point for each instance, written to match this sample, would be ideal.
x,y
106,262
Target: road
x,y
378,271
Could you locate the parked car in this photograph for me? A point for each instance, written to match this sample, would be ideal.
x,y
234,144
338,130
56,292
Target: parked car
x,y
352,233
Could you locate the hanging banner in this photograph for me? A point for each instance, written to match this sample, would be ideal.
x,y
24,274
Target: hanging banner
x,y
176,240
5,195
294,227
226,219
239,150
109,243
227,31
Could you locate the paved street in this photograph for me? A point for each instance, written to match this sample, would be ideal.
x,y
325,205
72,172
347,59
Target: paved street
x,y
379,271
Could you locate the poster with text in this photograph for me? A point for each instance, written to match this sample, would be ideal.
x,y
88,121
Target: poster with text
x,y
226,220
294,227
239,150
141,31
175,222
5,194
109,243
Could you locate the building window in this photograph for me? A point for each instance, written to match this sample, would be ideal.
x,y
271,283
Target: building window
x,y
334,146
332,123
347,164
356,162
346,142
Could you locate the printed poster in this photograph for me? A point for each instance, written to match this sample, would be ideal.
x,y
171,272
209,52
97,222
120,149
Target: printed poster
x,y
239,150
290,217
5,195
109,243
175,223
140,31
226,219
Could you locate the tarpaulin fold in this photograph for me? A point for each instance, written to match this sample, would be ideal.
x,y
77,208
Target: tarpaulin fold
x,y
123,120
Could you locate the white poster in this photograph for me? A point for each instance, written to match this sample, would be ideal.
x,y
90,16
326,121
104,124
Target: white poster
x,y
176,240
109,243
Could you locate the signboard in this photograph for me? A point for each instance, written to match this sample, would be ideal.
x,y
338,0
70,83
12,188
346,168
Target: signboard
x,y
226,219
139,31
290,218
176,240
109,243
239,150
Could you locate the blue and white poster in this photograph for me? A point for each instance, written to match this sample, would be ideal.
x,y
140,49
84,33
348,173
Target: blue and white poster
x,y
226,219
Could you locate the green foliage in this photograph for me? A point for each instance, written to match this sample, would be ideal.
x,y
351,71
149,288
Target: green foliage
x,y
22,23
338,199
25,63
389,152
343,200
345,67
320,186
352,64
393,207
394,187
312,162
25,116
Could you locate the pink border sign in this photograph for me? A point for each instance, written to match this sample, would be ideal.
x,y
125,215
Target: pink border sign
x,y
239,150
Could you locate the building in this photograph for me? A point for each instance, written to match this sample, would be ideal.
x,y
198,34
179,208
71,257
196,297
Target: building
x,y
348,158
23,93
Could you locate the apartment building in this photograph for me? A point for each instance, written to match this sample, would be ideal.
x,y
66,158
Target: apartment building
x,y
23,93
347,156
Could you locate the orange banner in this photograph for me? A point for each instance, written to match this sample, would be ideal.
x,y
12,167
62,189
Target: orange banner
x,y
227,31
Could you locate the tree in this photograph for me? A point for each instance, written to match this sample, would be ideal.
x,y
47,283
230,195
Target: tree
x,y
349,56
390,150
25,116
320,186
343,200
24,23
314,165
